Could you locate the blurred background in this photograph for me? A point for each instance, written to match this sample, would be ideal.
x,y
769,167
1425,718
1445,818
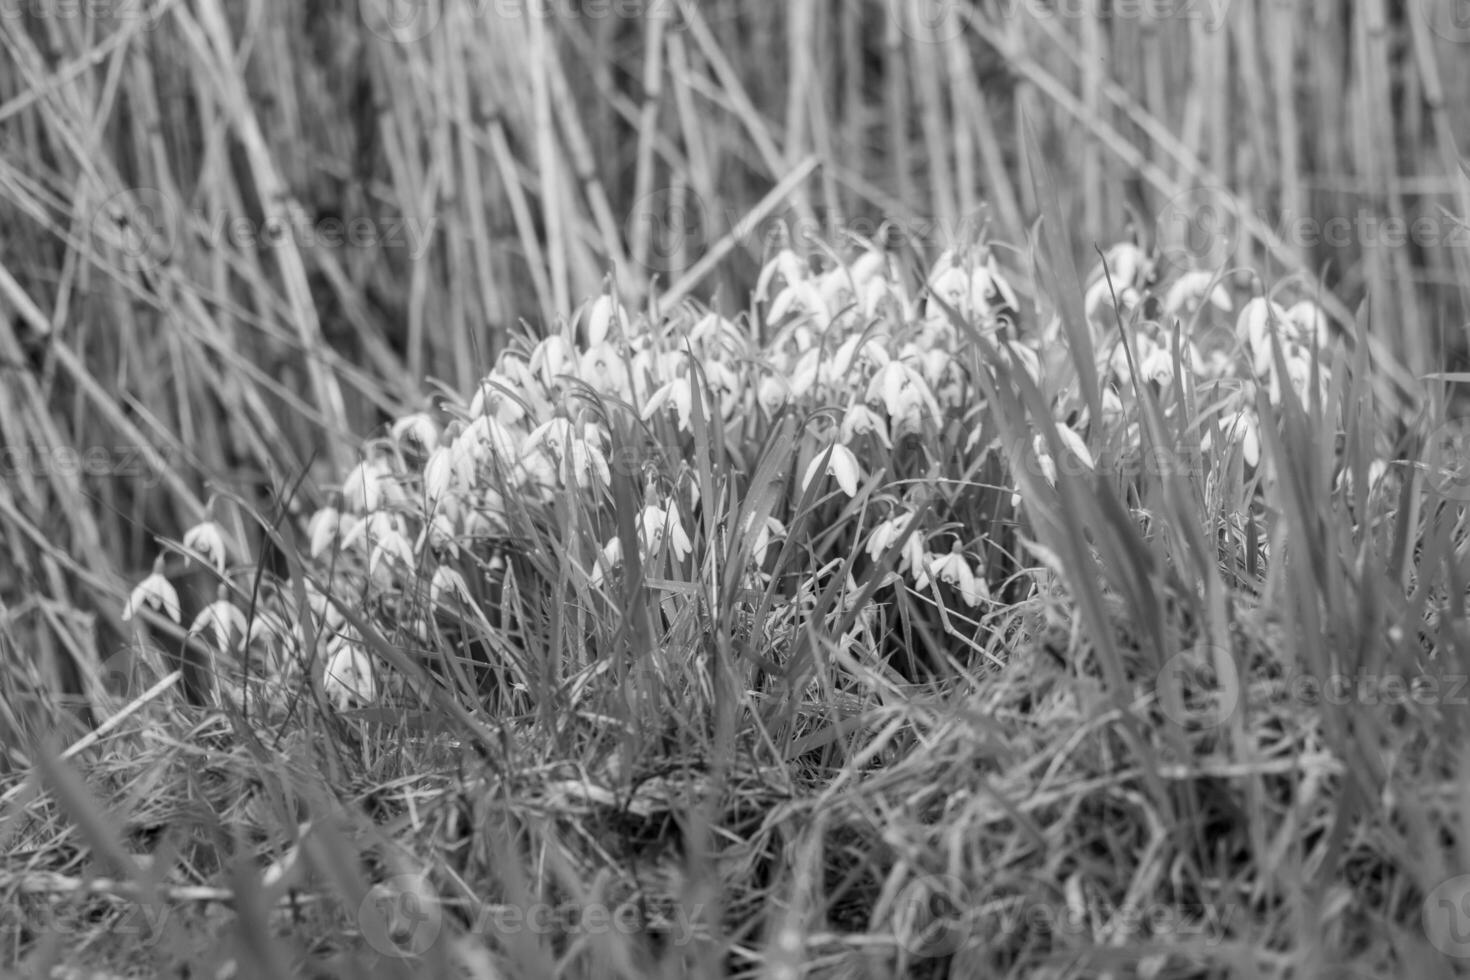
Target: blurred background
x,y
236,237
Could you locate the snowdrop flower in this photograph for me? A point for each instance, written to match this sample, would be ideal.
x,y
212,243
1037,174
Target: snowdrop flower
x,y
841,465
1257,321
773,392
373,528
492,399
552,357
610,557
487,438
680,394
325,526
715,334
448,584
208,539
1192,290
1046,465
858,420
1124,271
418,428
903,392
785,264
604,370
392,547
1311,324
349,675
769,530
1157,364
657,525
990,295
802,297
446,471
600,316
222,619
438,533
368,485
723,380
954,570
889,531
1241,429
578,454
156,592
807,373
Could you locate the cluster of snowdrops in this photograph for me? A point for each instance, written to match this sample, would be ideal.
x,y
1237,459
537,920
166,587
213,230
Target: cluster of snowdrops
x,y
866,385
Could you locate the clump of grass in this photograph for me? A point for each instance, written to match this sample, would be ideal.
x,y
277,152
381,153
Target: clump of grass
x,y
889,628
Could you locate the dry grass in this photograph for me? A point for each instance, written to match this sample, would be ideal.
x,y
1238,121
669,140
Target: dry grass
x,y
163,358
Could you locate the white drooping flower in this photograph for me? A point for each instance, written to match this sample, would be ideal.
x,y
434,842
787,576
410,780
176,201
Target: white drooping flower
x,y
657,525
155,592
858,420
447,584
368,485
417,428
446,472
325,526
1242,429
575,450
841,465
954,570
551,358
911,558
208,539
766,532
785,264
903,392
349,675
1192,290
222,620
